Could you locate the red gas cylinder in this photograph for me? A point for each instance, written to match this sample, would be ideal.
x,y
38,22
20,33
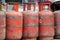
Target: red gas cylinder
x,y
57,21
30,39
2,25
30,29
46,24
14,25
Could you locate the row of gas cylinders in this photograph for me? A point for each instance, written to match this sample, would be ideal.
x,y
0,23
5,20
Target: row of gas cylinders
x,y
29,25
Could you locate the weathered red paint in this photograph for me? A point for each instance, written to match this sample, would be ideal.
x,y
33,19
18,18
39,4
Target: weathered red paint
x,y
46,28
14,25
30,29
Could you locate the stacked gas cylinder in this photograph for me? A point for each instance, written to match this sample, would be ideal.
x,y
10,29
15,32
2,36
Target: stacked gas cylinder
x,y
27,25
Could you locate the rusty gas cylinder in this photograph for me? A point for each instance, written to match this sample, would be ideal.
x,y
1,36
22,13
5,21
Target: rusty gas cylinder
x,y
2,25
14,25
46,28
30,39
57,21
30,29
